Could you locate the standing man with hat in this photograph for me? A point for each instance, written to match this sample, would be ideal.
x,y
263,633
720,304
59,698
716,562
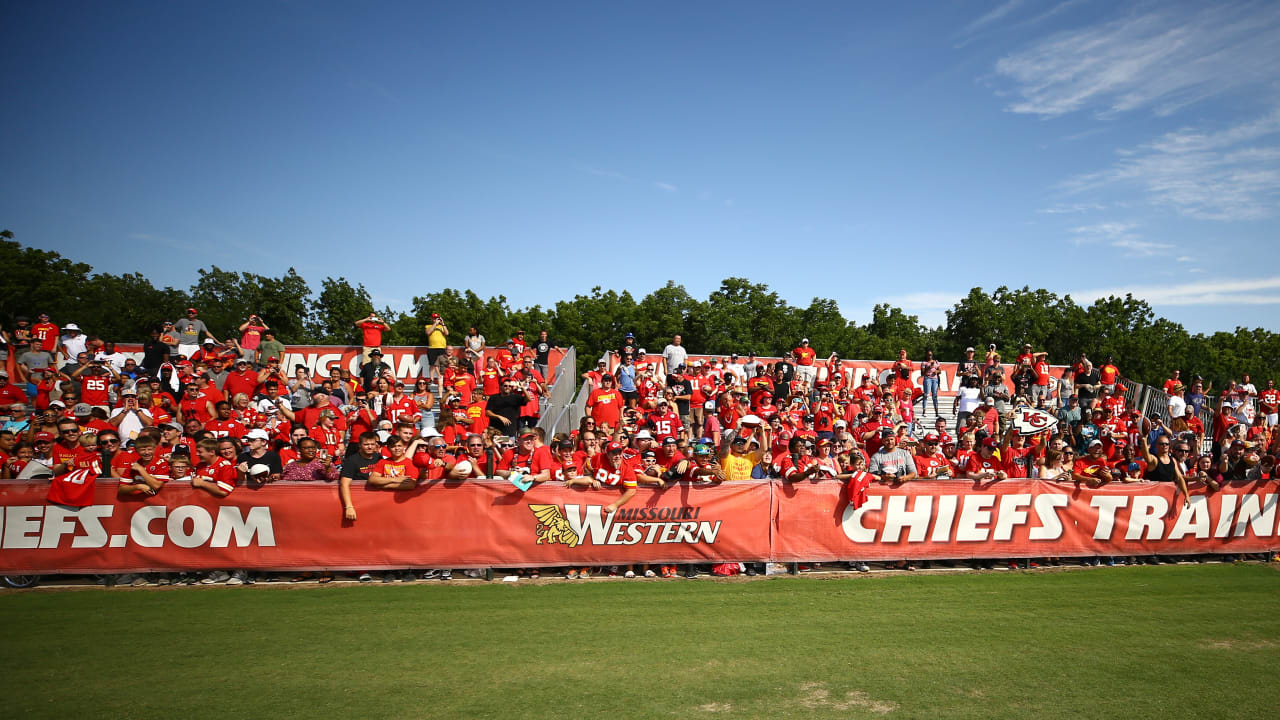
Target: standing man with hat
x,y
189,330
437,343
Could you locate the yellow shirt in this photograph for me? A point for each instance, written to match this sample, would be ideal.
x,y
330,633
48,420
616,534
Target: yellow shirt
x,y
436,338
737,467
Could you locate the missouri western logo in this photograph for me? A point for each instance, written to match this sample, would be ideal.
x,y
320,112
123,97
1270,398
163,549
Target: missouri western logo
x,y
575,525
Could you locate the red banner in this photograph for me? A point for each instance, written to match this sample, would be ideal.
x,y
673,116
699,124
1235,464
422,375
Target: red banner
x,y
455,525
949,519
408,362
491,524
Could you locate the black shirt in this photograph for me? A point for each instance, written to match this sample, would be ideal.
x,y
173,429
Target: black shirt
x,y
542,348
370,372
679,385
1083,391
270,459
357,466
154,354
507,406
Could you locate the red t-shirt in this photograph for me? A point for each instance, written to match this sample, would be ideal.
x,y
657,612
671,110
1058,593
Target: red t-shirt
x,y
934,466
241,382
371,333
1269,400
804,356
46,335
404,467
605,406
220,472
606,473
977,464
74,488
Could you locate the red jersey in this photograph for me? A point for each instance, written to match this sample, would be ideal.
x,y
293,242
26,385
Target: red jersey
x,y
600,469
225,428
513,460
46,336
788,468
463,384
402,407
664,426
220,472
196,408
158,468
122,463
328,438
74,488
1088,466
93,389
491,381
805,356
477,420
1269,401
977,464
1017,461
936,466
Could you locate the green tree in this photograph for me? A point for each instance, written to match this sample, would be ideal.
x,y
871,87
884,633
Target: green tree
x,y
337,308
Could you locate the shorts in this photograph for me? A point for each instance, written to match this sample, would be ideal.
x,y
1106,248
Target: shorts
x,y
433,355
630,397
1273,418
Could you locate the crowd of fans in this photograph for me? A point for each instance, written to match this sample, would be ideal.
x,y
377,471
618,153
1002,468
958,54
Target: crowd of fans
x,y
225,414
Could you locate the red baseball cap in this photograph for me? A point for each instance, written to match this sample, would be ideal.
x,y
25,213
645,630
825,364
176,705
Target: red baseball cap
x,y
990,443
44,437
614,447
931,438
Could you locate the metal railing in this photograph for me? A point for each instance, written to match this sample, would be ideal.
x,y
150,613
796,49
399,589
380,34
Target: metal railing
x,y
558,409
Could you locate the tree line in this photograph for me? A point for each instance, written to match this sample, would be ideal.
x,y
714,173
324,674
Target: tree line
x,y
740,316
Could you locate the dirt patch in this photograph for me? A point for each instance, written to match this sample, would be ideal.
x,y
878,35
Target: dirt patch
x,y
1240,644
814,695
715,707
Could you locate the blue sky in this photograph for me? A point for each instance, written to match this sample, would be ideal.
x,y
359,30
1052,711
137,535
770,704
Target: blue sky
x,y
869,153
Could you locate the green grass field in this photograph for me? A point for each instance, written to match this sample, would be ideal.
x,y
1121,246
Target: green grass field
x,y
1160,642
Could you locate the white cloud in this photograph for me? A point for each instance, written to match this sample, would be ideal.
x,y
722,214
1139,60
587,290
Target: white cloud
x,y
1141,248
1120,235
1163,60
1208,292
1232,174
1063,209
664,186
1185,258
991,17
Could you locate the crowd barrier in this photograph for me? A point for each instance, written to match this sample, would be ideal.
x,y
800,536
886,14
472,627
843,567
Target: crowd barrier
x,y
477,524
409,362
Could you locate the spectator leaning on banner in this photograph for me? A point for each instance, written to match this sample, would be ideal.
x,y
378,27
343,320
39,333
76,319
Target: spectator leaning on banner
x,y
189,330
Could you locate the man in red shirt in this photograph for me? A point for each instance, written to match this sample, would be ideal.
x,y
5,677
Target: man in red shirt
x,y
1040,390
931,464
605,403
241,380
608,469
664,422
371,329
984,465
195,406
45,334
1093,469
805,357
1269,403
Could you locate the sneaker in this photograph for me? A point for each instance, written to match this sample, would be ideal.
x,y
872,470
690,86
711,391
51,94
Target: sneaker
x,y
365,577
123,579
751,570
1032,565
237,578
863,567
572,574
692,572
409,576
430,574
1111,562
217,576
139,581
650,573
446,574
630,574
388,577
1013,564
473,573
163,581
613,571
249,579
584,573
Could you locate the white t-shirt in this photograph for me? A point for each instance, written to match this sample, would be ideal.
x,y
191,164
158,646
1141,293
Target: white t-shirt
x,y
1177,407
75,345
969,398
130,426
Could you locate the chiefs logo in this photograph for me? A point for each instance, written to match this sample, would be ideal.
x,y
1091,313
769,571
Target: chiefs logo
x,y
553,527
1030,421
